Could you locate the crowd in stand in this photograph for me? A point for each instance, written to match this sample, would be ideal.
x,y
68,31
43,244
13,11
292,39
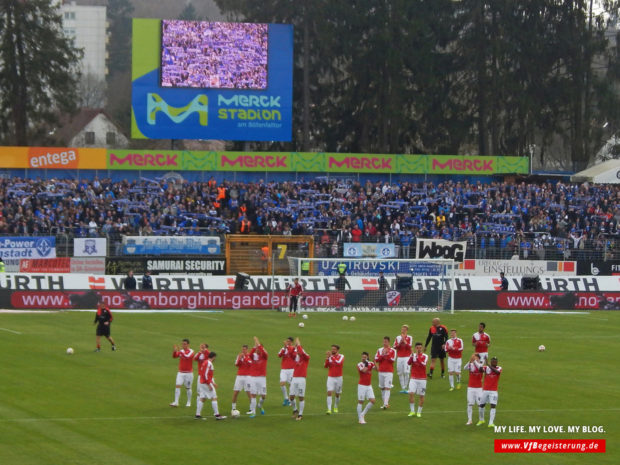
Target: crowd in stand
x,y
220,55
498,220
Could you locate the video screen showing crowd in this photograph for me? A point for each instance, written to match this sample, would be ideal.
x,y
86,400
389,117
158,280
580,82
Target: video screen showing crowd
x,y
409,358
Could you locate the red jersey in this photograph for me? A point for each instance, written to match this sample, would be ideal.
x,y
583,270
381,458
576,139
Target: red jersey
x,y
403,346
385,362
287,354
186,358
201,356
301,363
259,361
365,376
334,364
476,369
244,365
295,290
491,378
418,365
481,342
454,347
205,372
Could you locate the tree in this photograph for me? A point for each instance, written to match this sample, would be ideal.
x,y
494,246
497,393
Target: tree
x,y
119,17
39,69
189,13
92,91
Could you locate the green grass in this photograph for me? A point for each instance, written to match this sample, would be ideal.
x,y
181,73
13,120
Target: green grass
x,y
112,407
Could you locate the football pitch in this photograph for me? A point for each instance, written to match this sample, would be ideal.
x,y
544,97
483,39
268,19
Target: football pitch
x,y
112,407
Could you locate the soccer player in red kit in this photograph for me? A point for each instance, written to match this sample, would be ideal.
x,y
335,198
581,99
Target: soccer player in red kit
x,y
242,381
294,294
454,349
474,386
258,377
202,354
489,391
298,385
287,364
417,383
384,358
334,363
403,344
481,342
364,387
206,387
185,375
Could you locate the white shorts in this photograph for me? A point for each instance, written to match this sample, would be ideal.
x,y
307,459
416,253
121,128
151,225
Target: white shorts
x,y
489,397
364,393
402,366
205,393
242,383
334,384
385,380
417,386
484,356
286,376
474,395
259,385
454,365
298,387
185,379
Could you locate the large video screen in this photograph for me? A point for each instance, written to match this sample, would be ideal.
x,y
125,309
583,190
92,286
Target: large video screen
x,y
214,55
211,80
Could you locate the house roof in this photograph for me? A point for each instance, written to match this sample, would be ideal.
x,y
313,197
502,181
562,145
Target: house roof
x,y
71,126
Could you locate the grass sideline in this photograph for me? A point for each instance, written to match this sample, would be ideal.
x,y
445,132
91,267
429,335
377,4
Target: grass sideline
x,y
112,407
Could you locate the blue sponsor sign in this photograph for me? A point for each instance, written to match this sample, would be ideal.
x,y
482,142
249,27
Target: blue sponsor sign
x,y
28,247
175,245
373,267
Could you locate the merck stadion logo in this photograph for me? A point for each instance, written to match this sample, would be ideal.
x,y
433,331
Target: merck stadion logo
x,y
155,104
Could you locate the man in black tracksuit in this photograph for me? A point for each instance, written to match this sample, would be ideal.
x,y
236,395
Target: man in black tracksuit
x,y
438,333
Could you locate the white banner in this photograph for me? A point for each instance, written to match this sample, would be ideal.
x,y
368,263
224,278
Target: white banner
x,y
440,248
516,267
369,249
64,281
90,247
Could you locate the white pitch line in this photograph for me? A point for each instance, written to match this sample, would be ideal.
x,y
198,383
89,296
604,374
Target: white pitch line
x,y
202,317
9,331
352,413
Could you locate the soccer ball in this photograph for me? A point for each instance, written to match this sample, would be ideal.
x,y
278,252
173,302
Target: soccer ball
x,y
235,414
541,348
69,351
305,317
301,325
345,318
352,318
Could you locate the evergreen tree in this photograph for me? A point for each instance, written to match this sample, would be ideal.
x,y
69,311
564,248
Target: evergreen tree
x,y
39,70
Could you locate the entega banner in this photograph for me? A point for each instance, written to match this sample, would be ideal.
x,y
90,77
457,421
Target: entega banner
x,y
211,110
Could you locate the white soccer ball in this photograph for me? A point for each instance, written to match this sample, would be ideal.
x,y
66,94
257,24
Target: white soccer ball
x,y
541,348
235,414
352,318
69,351
301,325
345,318
305,317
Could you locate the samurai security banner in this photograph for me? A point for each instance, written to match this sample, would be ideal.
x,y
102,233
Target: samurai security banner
x,y
90,247
370,250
